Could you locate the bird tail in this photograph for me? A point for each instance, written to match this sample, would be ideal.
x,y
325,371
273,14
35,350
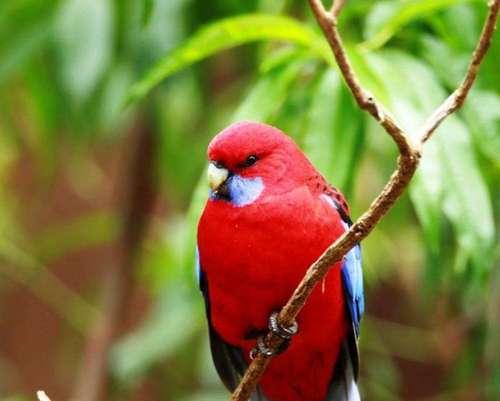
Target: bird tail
x,y
344,385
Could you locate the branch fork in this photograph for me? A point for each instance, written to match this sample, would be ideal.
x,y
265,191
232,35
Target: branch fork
x,y
410,150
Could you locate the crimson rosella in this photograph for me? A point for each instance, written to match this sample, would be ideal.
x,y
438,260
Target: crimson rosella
x,y
269,215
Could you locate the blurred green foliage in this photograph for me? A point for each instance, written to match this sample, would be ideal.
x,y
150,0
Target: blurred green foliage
x,y
187,68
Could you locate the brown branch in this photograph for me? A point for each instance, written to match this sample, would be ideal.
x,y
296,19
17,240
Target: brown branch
x,y
365,100
457,98
406,167
337,7
93,382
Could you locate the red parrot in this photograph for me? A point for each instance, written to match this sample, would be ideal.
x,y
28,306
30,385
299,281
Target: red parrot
x,y
270,214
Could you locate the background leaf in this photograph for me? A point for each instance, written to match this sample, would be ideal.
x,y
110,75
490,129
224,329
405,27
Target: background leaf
x,y
84,35
449,181
387,18
334,136
223,35
268,94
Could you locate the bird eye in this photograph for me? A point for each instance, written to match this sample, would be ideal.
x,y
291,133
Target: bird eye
x,y
250,161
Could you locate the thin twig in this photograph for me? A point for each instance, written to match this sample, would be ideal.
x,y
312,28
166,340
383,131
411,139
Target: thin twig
x,y
42,396
406,167
337,7
457,98
365,100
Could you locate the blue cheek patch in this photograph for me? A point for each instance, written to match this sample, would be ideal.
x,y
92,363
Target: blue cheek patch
x,y
242,191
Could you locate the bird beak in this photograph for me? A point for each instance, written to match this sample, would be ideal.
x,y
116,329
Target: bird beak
x,y
216,176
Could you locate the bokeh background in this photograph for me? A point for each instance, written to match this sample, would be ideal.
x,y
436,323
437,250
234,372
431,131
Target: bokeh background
x,y
99,202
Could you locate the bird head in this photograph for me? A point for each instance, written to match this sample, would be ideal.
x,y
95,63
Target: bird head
x,y
248,158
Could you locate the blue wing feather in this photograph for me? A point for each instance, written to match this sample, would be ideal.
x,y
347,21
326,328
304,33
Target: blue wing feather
x,y
352,272
352,276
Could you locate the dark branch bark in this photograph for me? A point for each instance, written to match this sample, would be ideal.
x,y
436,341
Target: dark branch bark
x,y
406,167
140,191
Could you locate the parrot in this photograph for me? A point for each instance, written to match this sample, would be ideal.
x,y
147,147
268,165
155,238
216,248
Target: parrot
x,y
269,215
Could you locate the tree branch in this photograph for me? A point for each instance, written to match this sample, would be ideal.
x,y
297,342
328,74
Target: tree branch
x,y
406,167
337,7
457,98
365,100
139,185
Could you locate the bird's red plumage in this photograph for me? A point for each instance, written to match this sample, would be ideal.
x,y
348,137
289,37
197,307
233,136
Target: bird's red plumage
x,y
254,257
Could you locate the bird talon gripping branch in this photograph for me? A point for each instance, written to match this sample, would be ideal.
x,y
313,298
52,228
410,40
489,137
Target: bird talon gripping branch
x,y
286,333
262,348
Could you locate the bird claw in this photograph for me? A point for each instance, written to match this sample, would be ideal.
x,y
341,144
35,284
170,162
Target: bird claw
x,y
285,333
262,348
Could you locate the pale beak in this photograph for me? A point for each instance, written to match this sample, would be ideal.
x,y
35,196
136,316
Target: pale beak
x,y
216,176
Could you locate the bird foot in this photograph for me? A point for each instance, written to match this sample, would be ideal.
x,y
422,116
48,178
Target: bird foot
x,y
285,333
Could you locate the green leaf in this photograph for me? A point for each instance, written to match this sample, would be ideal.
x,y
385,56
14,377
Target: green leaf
x,y
82,232
21,48
48,104
387,18
448,182
334,135
426,190
16,398
426,193
363,70
448,64
147,11
25,27
225,34
21,266
173,322
292,116
84,35
268,94
114,90
462,25
467,204
482,113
